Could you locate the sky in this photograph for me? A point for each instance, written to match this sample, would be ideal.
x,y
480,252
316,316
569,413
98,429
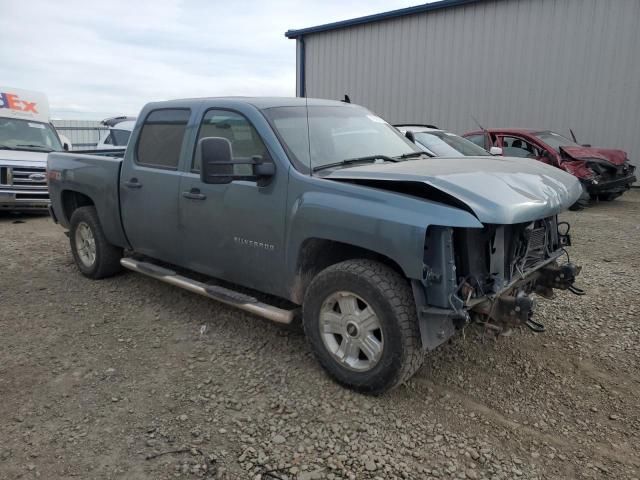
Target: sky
x,y
99,59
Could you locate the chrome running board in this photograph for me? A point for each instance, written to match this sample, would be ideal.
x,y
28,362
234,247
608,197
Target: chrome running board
x,y
215,292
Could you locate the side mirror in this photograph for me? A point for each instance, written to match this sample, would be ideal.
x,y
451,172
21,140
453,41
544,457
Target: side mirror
x,y
216,163
263,168
66,143
495,151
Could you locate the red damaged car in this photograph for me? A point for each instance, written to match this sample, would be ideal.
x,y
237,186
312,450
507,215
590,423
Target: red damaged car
x,y
605,173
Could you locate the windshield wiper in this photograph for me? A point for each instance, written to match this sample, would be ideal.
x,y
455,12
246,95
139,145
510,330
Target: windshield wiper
x,y
30,145
6,147
348,161
414,154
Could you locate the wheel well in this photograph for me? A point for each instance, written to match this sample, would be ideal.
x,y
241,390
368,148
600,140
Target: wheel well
x,y
73,200
316,254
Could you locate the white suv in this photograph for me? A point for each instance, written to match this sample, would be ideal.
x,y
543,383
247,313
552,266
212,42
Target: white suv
x,y
117,136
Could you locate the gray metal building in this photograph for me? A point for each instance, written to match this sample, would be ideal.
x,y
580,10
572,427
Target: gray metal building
x,y
552,64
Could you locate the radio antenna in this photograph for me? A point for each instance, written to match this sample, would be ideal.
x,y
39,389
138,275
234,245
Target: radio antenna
x,y
573,136
478,123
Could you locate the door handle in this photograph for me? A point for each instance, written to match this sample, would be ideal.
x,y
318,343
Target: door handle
x,y
133,183
194,194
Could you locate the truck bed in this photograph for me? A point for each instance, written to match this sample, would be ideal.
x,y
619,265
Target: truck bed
x,y
93,179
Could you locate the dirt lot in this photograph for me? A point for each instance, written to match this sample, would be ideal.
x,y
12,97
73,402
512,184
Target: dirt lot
x,y
115,379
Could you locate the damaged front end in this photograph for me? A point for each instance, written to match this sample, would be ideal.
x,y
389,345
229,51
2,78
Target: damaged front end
x,y
491,276
603,172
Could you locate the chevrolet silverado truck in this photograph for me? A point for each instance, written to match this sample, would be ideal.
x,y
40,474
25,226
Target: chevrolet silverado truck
x,y
26,136
289,208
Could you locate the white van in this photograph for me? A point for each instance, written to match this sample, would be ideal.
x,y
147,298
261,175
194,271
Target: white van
x,y
26,137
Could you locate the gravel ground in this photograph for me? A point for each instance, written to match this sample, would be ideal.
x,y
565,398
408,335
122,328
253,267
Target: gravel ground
x,y
131,378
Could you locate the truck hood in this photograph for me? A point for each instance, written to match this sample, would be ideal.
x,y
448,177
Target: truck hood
x,y
11,156
498,190
610,155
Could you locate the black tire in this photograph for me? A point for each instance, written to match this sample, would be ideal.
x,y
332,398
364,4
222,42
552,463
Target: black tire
x,y
608,197
107,257
390,296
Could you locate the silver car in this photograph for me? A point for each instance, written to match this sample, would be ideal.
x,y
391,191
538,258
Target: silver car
x,y
440,143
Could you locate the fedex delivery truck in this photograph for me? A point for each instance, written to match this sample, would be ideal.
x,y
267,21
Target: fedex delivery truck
x,y
26,137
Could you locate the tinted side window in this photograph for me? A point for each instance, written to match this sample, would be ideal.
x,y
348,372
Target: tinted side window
x,y
245,141
161,138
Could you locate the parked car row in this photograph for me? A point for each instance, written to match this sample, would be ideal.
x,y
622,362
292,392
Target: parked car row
x,y
604,173
25,130
322,209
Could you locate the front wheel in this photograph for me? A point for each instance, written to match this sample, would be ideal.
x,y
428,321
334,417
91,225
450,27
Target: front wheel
x,y
95,257
582,202
360,319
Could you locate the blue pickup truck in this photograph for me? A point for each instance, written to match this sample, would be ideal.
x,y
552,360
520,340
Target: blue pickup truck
x,y
321,209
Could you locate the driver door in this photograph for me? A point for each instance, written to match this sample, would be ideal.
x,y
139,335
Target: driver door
x,y
234,231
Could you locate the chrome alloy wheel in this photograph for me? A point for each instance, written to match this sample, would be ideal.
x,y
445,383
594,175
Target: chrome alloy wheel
x,y
351,331
85,244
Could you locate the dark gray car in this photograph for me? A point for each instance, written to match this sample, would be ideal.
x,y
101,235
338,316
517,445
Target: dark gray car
x,y
322,208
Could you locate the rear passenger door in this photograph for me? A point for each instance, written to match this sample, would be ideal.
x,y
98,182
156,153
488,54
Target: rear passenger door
x,y
150,182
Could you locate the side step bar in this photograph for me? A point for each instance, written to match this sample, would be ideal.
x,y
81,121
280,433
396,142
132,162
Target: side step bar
x,y
215,292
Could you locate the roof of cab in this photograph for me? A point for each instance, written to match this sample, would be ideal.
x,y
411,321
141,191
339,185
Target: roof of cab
x,y
258,102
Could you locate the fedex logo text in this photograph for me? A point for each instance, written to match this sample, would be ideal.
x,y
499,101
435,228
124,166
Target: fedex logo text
x,y
12,101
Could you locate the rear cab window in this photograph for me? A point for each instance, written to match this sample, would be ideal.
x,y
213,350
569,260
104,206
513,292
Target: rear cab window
x,y
161,137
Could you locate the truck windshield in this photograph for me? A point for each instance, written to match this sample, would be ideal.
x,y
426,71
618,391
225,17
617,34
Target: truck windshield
x,y
555,140
16,134
445,144
334,134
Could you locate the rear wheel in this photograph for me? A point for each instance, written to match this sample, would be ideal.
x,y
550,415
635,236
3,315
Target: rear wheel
x,y
95,257
360,319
